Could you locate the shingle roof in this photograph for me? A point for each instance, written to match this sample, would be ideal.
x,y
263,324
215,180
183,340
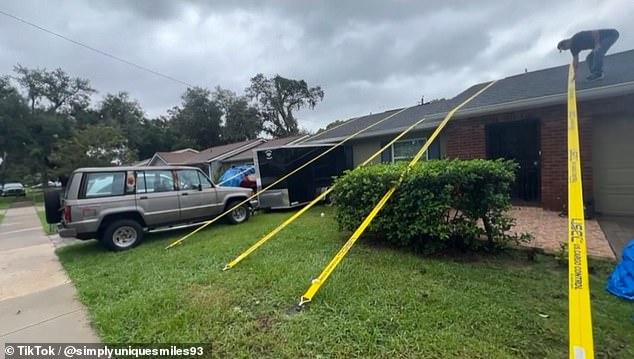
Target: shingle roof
x,y
535,85
248,154
176,157
189,156
217,152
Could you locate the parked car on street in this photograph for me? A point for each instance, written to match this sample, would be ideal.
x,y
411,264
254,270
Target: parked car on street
x,y
116,205
13,189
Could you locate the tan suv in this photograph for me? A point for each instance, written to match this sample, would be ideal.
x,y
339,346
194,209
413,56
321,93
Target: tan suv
x,y
116,205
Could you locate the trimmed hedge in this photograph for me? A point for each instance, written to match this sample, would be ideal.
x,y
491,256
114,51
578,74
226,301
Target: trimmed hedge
x,y
440,204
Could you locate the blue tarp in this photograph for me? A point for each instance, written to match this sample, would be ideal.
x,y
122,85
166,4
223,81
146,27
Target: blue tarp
x,y
621,282
235,175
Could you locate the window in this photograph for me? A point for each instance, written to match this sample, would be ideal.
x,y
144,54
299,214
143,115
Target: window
x,y
74,180
406,150
188,180
204,181
140,182
154,181
105,184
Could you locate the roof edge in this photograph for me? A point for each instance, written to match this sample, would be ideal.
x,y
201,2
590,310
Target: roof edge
x,y
434,119
240,149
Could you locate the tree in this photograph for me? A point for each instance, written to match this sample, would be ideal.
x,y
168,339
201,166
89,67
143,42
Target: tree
x,y
61,92
13,131
278,97
97,145
242,121
158,136
52,97
197,119
119,110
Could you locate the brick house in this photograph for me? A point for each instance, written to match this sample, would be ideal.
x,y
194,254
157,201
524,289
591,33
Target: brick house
x,y
523,117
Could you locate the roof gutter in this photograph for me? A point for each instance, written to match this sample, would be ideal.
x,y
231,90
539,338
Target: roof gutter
x,y
434,120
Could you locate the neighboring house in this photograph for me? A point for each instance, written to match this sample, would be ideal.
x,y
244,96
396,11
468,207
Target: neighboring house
x,y
524,118
209,160
246,157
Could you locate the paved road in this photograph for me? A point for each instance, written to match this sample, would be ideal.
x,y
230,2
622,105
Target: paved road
x,y
37,299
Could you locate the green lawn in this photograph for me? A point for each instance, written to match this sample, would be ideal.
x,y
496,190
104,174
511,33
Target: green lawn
x,y
380,302
48,228
37,197
5,202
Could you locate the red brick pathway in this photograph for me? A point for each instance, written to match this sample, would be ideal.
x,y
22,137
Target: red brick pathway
x,y
550,231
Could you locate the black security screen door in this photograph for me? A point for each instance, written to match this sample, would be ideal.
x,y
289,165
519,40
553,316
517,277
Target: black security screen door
x,y
518,141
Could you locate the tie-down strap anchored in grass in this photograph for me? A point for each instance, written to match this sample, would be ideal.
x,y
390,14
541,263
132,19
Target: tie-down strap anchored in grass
x,y
330,267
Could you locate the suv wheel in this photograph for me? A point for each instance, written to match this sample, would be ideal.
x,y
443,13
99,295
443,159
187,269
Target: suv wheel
x,y
238,215
122,234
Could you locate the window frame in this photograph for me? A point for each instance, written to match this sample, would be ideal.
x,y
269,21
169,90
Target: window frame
x,y
84,185
172,174
178,178
393,157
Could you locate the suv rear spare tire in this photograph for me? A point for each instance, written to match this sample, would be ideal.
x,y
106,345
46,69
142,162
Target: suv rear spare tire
x,y
122,234
238,215
52,206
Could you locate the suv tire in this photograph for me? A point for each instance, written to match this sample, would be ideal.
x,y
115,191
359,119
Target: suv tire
x,y
238,215
122,234
52,206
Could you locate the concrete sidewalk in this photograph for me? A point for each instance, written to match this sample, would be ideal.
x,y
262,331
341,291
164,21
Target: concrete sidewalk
x,y
37,299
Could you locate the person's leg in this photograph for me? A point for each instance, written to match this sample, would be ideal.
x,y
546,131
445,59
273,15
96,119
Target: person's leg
x,y
606,43
590,62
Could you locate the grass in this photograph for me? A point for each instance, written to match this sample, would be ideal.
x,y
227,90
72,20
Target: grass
x,y
48,228
5,202
380,302
37,197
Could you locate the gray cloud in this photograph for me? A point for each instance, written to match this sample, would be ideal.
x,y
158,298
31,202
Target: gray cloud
x,y
368,56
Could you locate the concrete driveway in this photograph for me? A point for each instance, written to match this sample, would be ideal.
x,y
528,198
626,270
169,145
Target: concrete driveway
x,y
37,300
619,230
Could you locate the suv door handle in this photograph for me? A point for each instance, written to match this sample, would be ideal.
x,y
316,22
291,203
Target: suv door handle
x,y
143,197
184,194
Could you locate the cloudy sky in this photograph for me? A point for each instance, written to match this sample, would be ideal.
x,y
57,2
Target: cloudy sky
x,y
367,55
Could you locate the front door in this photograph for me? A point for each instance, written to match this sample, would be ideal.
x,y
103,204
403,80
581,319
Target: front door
x,y
197,197
518,141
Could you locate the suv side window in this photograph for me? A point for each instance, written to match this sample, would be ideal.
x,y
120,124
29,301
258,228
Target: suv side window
x,y
155,181
104,184
188,180
140,182
204,181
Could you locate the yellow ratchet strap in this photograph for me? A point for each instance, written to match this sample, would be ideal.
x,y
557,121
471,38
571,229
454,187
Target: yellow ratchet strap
x,y
323,195
319,281
579,311
180,240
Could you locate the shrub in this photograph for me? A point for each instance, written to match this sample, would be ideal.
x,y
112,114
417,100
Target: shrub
x,y
439,204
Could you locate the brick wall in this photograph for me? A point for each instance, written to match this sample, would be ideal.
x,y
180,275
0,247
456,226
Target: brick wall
x,y
466,139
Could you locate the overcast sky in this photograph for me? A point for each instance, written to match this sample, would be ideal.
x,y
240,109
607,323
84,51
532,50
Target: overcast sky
x,y
367,55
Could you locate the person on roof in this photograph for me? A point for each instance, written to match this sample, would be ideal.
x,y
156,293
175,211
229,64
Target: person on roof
x,y
599,41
